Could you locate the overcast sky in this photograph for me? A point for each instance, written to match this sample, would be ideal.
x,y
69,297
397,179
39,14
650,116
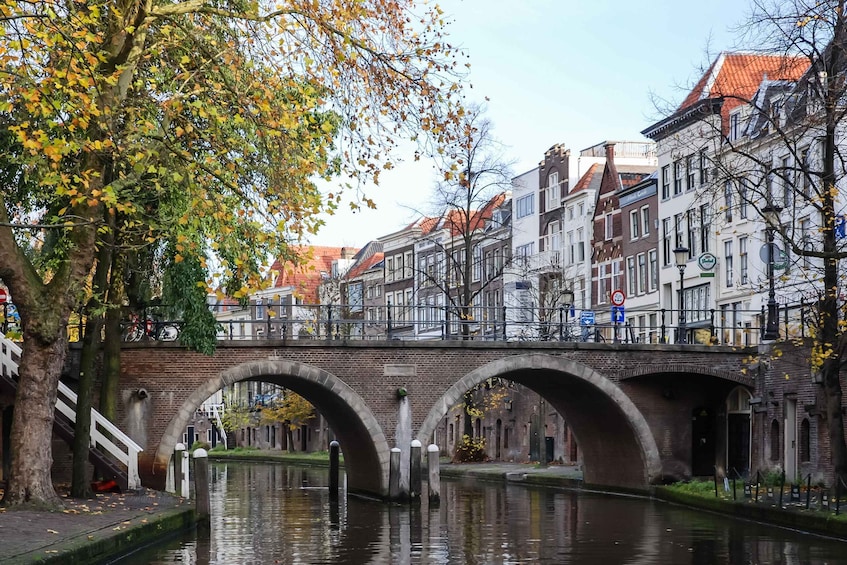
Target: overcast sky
x,y
559,71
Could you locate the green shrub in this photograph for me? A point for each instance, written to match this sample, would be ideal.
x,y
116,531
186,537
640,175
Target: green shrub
x,y
471,450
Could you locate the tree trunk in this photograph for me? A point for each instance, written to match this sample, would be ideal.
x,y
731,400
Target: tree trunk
x,y
30,483
82,429
111,364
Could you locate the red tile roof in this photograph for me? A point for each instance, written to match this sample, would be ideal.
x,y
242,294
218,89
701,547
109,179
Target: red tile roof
x,y
737,76
588,177
365,265
306,276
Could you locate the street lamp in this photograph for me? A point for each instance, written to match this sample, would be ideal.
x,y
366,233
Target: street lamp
x,y
771,216
567,300
681,255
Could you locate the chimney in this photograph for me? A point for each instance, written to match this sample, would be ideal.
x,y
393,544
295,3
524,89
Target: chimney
x,y
346,253
610,151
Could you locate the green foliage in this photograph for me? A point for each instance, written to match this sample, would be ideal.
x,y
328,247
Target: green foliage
x,y
185,296
470,450
236,417
200,445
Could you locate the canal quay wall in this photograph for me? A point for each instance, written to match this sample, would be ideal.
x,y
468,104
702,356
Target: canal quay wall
x,y
93,530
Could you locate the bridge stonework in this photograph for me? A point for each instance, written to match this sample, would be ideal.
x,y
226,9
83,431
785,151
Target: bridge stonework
x,y
629,405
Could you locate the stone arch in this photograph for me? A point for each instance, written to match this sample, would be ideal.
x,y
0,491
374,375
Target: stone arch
x,y
365,448
617,444
648,370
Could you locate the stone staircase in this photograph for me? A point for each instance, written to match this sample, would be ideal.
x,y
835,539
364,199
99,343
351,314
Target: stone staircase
x,y
112,452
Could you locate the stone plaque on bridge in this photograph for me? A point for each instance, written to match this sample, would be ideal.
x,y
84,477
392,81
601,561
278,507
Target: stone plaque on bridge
x,y
391,370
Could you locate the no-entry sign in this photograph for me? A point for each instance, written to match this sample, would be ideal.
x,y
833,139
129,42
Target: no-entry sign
x,y
618,297
3,296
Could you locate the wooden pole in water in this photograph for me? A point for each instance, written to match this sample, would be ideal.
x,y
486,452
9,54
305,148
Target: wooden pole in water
x,y
415,470
394,474
433,454
201,486
334,450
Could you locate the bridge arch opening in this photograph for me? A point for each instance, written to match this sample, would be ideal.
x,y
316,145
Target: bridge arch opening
x,y
362,440
618,447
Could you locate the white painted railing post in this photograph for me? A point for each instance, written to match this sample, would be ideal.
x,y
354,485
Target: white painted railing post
x,y
104,434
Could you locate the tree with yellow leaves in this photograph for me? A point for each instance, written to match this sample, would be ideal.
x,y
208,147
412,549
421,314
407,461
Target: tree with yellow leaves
x,y
195,128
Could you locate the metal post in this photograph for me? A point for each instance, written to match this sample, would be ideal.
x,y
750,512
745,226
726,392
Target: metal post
x,y
682,329
329,322
561,317
388,314
771,216
663,327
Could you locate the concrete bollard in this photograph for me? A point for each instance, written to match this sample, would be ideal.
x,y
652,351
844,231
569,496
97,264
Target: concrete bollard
x,y
334,450
179,450
415,470
201,486
433,467
394,474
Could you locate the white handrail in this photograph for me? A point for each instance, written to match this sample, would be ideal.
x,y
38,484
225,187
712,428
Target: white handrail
x,y
104,434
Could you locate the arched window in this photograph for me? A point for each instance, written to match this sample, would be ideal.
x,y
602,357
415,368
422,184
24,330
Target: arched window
x,y
805,441
775,441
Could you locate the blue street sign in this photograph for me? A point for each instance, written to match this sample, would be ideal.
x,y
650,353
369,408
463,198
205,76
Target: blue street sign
x,y
618,314
586,318
840,227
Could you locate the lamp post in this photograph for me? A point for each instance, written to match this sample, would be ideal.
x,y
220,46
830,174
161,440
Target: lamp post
x,y
567,299
771,216
681,255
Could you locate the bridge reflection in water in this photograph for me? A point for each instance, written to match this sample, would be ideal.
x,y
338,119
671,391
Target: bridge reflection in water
x,y
267,513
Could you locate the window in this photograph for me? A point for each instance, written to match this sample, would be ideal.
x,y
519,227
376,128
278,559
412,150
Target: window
x,y
666,182
477,261
786,183
734,126
408,265
693,228
666,242
705,223
633,224
632,283
727,196
642,273
654,269
260,309
389,270
690,170
609,226
616,275
354,297
525,206
524,251
677,177
645,220
552,198
803,170
570,212
743,194
727,254
805,441
571,248
806,239
704,164
677,230
580,244
742,259
602,284
581,210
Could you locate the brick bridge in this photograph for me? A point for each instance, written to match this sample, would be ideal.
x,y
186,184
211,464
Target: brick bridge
x,y
628,405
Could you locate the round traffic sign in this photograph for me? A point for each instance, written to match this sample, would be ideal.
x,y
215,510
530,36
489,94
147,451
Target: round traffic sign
x,y
618,297
3,296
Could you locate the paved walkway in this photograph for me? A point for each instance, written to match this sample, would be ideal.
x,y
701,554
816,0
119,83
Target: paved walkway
x,y
89,527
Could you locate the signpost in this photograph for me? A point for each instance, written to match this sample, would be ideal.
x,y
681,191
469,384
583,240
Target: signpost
x,y
618,315
586,318
618,297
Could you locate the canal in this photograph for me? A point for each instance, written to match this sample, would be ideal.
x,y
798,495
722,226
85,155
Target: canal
x,y
277,513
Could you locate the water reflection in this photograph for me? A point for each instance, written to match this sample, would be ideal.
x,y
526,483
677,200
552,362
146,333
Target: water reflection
x,y
271,513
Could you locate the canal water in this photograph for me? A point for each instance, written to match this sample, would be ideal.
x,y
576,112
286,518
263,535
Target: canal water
x,y
275,513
